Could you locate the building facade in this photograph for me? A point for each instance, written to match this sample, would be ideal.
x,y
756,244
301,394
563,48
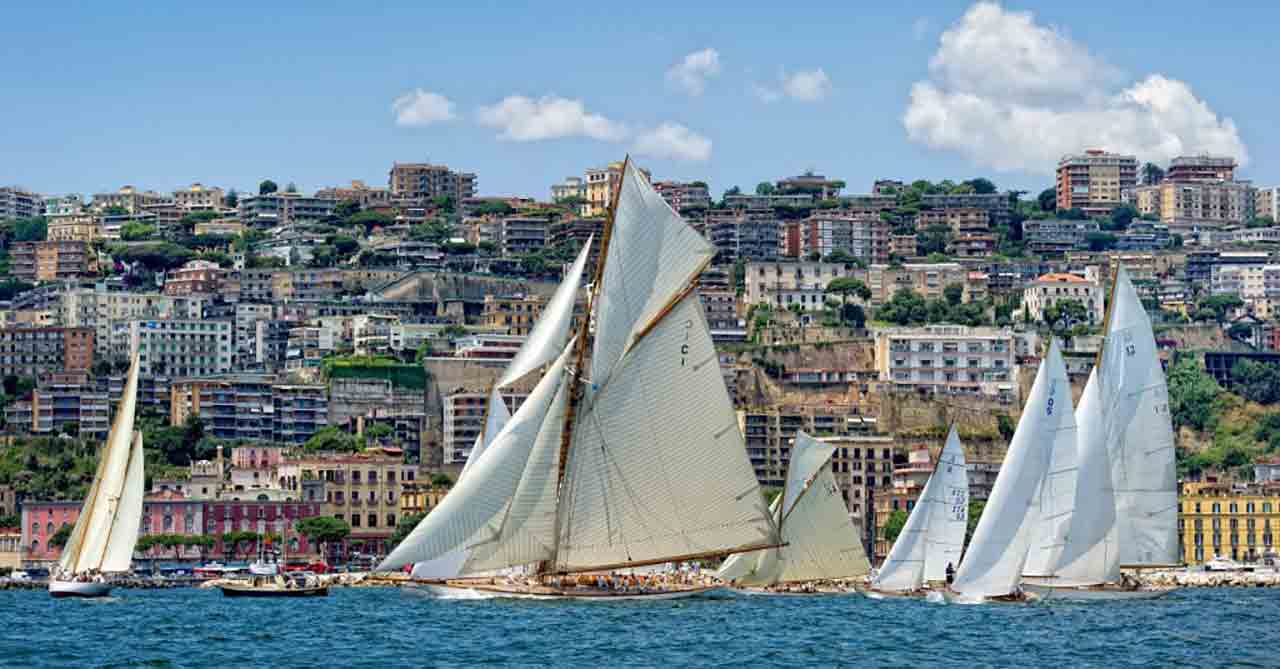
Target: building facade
x,y
50,261
33,352
1239,521
423,181
1049,289
948,359
1095,181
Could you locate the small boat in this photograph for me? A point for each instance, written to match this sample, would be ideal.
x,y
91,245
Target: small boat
x,y
1220,563
821,545
105,533
279,586
627,457
932,540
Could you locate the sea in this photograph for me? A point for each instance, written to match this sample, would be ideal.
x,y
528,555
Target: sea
x,y
386,627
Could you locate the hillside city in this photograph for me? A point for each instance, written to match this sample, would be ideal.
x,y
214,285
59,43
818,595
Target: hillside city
x,y
326,357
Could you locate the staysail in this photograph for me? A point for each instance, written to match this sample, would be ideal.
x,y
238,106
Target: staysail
x,y
993,565
933,536
114,503
1139,434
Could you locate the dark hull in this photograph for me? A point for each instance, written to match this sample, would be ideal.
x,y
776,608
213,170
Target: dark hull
x,y
248,591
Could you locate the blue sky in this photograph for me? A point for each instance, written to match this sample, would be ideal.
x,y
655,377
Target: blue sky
x,y
160,95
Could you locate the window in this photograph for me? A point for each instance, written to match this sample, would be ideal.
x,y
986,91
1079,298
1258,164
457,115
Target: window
x,y
391,520
1217,508
373,520
355,476
355,520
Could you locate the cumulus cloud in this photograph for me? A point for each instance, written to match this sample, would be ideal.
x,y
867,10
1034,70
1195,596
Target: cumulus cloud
x,y
802,86
523,119
419,107
674,142
1012,94
691,74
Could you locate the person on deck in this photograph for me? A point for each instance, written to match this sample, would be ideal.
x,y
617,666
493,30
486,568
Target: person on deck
x,y
951,573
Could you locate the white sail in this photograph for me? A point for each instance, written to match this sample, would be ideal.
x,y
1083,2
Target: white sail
x,y
948,510
754,568
471,511
652,255
128,515
86,549
496,416
527,532
551,332
1051,510
993,565
820,541
657,466
1090,555
1139,434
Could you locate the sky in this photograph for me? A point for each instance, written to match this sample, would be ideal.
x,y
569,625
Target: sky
x,y
159,95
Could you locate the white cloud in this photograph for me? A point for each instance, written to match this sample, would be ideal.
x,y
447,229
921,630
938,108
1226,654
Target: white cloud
x,y
803,86
691,74
420,107
1012,94
523,119
673,141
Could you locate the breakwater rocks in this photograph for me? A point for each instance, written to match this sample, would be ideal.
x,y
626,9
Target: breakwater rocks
x,y
1212,579
132,583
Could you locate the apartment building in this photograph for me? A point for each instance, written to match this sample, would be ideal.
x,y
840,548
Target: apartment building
x,y
130,199
601,182
1052,288
770,201
1257,285
684,195
362,489
999,206
783,284
1095,181
33,352
928,280
70,402
99,307
1266,203
174,347
948,359
1189,208
198,277
742,234
360,193
1199,264
522,234
423,181
813,184
464,416
199,197
1057,236
1201,168
50,261
20,203
298,411
959,219
1236,520
572,188
306,284
903,246
863,236
76,228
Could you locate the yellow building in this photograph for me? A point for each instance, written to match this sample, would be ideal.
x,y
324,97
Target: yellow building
x,y
1221,519
420,496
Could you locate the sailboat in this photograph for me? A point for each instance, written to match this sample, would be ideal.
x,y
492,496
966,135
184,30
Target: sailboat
x,y
1122,501
547,339
628,459
933,538
993,564
106,531
277,583
821,543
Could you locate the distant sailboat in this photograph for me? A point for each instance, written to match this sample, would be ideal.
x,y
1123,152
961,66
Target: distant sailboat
x,y
106,531
1124,497
821,542
631,459
545,342
933,537
993,565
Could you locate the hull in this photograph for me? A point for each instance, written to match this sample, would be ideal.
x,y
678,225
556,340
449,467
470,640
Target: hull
x,y
465,590
765,592
61,589
250,591
1021,597
873,593
1096,593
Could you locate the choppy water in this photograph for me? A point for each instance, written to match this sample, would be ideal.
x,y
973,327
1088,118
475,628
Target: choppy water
x,y
390,628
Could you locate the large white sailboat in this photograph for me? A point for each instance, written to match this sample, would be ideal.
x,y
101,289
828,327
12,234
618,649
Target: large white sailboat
x,y
821,542
102,541
993,565
933,537
632,458
546,341
1123,503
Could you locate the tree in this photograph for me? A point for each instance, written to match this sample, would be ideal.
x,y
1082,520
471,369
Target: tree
x,y
331,438
954,293
1066,315
853,315
1072,214
497,208
1006,426
934,239
370,220
1217,307
1048,200
841,256
1152,174
893,525
1256,381
1100,241
324,530
11,288
59,538
267,187
1261,222
1121,217
291,188
403,528
30,229
232,199
378,431
346,209
11,520
981,186
441,480
765,188
975,513
134,231
845,286
906,307
1191,394
434,231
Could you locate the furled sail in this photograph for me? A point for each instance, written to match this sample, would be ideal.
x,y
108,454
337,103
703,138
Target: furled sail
x,y
128,514
933,536
993,565
1090,555
1139,434
87,547
948,510
471,511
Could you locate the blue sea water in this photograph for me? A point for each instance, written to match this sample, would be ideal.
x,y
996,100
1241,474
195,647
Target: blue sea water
x,y
393,628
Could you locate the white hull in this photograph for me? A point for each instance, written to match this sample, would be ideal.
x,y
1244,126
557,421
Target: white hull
x,y
1024,597
449,591
77,589
1093,593
761,592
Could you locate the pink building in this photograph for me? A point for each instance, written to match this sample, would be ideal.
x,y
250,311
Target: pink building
x,y
261,517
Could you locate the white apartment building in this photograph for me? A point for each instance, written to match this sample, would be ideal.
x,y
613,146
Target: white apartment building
x,y
1267,203
948,359
174,347
782,284
464,416
98,308
1257,285
1049,289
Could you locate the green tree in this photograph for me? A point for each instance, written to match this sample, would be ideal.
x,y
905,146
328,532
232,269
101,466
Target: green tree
x,y
841,256
981,185
267,187
975,513
845,286
11,288
346,209
370,220
403,528
906,307
232,199
60,538
1152,174
1217,307
893,525
1121,217
1192,394
1066,314
1100,241
954,293
934,239
1006,426
134,231
331,438
1072,214
324,530
1260,222
30,229
440,479
1256,381
1048,200
765,188
10,521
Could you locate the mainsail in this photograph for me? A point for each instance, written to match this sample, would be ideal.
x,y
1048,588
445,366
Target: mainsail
x,y
933,536
821,542
1139,434
107,528
1051,509
993,565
